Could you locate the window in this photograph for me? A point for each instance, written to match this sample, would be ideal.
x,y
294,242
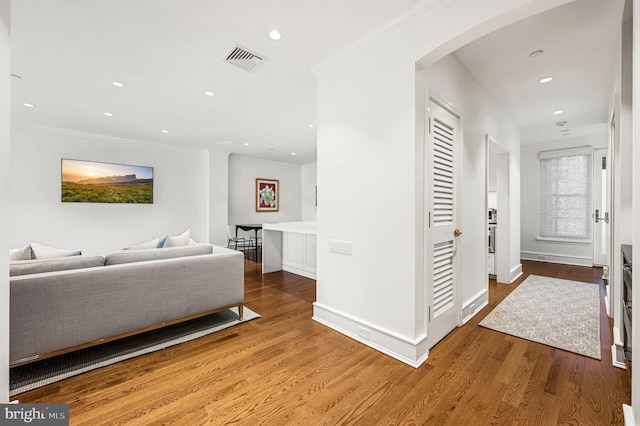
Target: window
x,y
565,194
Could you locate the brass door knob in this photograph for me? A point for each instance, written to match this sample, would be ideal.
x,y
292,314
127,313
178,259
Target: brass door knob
x,y
457,232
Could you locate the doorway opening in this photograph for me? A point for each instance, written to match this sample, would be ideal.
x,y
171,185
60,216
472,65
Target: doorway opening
x,y
498,215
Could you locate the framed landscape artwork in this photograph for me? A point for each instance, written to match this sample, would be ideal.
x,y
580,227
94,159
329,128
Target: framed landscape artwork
x,y
93,182
267,197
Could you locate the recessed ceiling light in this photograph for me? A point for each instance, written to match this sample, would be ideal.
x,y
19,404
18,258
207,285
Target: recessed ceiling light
x,y
536,53
117,84
311,126
246,144
28,105
164,131
545,80
108,114
293,153
275,35
558,112
209,93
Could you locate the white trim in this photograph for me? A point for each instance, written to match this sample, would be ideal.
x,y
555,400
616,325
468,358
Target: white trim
x,y
556,258
411,16
475,305
560,240
413,352
299,271
516,272
617,349
617,356
447,106
583,150
627,411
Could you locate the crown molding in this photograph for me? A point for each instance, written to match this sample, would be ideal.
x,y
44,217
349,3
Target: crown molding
x,y
410,16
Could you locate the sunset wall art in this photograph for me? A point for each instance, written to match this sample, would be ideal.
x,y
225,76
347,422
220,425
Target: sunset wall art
x,y
94,182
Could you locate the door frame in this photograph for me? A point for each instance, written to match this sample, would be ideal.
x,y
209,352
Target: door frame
x,y
503,231
432,97
607,208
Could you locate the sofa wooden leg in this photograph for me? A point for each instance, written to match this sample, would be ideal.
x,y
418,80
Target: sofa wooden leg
x,y
240,311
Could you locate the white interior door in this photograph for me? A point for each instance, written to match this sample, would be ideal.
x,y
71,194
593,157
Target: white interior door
x,y
601,215
441,185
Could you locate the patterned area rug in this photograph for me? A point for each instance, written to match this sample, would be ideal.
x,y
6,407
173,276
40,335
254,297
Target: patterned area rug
x,y
560,313
47,371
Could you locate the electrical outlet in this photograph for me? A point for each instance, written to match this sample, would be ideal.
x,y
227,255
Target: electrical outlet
x,y
365,333
342,247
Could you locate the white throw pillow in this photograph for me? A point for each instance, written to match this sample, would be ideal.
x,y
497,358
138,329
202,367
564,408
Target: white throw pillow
x,y
45,252
146,245
23,253
178,240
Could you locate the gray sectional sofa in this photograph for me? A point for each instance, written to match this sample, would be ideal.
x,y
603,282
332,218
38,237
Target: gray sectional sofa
x,y
62,304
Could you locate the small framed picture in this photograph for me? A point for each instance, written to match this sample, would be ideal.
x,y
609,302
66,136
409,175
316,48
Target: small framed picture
x,y
267,196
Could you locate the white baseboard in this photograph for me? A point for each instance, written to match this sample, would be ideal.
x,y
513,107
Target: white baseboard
x,y
628,415
299,271
556,258
472,307
413,352
617,356
515,273
617,350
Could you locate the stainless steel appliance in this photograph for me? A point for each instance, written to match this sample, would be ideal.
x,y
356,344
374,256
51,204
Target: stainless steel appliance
x,y
493,216
492,239
491,257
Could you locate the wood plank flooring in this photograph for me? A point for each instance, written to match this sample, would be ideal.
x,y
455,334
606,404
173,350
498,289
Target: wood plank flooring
x,y
284,368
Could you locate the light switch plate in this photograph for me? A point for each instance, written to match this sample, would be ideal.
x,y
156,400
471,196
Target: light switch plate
x,y
342,247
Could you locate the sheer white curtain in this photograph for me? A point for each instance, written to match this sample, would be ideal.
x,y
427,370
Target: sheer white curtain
x,y
565,193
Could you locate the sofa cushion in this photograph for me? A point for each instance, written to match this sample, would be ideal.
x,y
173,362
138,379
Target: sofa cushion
x,y
145,245
178,240
129,256
22,253
45,252
37,266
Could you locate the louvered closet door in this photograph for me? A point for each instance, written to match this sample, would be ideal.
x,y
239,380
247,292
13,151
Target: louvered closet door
x,y
441,187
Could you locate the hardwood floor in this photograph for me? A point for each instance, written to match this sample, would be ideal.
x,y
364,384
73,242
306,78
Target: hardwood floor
x,y
284,368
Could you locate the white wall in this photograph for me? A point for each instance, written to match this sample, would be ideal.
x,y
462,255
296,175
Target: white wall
x,y
622,196
5,145
625,165
369,174
635,196
243,172
579,254
309,183
218,197
480,115
181,198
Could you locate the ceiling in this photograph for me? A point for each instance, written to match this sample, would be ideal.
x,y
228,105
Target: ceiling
x,y
580,44
168,53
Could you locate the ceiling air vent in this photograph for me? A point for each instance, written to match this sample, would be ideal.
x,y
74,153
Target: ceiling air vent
x,y
245,59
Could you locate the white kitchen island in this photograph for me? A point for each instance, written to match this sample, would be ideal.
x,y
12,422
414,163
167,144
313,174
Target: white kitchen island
x,y
289,246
